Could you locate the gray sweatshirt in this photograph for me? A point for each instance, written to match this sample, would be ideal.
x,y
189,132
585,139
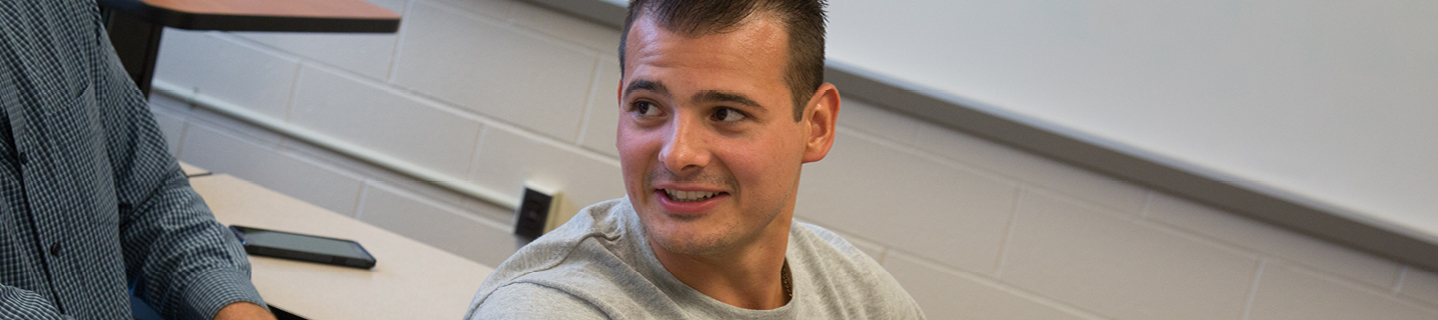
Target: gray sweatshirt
x,y
599,266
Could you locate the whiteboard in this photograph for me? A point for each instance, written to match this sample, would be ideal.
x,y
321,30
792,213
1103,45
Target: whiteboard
x,y
1336,102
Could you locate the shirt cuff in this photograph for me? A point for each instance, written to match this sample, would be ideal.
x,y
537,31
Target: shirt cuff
x,y
209,292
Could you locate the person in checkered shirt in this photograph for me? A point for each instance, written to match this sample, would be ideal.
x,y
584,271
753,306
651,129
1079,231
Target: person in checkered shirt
x,y
91,203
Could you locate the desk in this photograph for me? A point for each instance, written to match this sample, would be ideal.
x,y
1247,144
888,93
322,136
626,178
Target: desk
x,y
136,31
411,280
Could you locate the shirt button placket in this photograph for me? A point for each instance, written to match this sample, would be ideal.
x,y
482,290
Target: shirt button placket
x,y
55,249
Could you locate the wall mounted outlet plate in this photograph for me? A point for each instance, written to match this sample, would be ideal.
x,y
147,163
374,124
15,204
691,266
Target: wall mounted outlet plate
x,y
537,212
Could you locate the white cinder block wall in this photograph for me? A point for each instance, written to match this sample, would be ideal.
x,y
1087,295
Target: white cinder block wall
x,y
496,92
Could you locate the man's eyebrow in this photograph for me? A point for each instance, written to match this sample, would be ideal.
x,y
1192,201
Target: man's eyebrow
x,y
709,96
650,85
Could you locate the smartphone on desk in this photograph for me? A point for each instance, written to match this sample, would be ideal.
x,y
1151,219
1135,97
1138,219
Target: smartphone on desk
x,y
303,247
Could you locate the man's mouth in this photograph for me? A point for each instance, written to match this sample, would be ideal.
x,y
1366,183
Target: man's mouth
x,y
689,196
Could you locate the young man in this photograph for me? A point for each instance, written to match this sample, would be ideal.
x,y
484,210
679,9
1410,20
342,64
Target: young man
x,y
721,103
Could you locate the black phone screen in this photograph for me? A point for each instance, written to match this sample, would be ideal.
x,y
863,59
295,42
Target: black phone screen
x,y
278,239
289,245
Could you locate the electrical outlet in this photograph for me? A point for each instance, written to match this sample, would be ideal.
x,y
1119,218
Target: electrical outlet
x,y
537,212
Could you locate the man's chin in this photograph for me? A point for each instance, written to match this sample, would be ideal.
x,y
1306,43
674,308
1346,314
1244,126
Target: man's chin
x,y
690,246
685,238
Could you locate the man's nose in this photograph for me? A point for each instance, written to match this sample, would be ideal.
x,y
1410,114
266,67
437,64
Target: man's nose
x,y
687,149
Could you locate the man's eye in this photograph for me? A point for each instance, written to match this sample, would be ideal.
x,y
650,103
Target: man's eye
x,y
644,108
728,115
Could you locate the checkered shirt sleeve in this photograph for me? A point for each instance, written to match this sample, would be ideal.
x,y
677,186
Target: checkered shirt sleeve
x,y
93,202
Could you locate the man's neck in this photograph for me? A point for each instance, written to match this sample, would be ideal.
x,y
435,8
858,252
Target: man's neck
x,y
746,277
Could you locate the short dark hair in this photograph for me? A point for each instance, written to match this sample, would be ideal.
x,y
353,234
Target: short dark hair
x,y
803,20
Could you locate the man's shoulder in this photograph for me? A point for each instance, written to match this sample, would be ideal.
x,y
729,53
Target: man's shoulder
x,y
809,235
589,235
826,252
519,300
580,260
846,277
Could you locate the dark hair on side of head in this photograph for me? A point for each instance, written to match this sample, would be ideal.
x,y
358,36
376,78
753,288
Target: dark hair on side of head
x,y
803,20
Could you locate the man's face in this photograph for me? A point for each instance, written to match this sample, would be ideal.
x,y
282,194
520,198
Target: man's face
x,y
707,140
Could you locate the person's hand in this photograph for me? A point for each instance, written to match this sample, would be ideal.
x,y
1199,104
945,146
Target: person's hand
x,y
244,310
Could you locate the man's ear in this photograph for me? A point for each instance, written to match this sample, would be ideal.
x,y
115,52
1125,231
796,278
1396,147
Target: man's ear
x,y
820,117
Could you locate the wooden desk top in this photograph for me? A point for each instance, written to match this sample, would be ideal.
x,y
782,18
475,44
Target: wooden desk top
x,y
411,280
262,15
